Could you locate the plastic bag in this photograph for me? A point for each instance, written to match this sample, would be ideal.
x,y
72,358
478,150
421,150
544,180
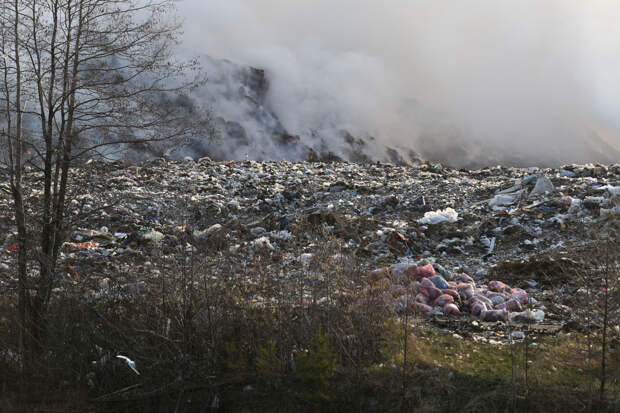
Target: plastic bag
x,y
427,271
498,286
451,309
403,272
520,295
466,291
431,292
426,283
528,316
439,282
451,292
481,298
510,305
464,278
494,315
497,300
442,300
543,185
423,308
476,307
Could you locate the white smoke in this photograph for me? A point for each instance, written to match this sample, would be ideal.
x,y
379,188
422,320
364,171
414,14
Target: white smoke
x,y
528,81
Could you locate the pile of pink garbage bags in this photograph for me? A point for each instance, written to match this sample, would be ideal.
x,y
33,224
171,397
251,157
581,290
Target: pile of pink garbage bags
x,y
420,290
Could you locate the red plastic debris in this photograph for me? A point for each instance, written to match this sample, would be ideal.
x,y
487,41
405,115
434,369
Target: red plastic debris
x,y
426,283
483,299
512,305
431,292
477,307
498,286
453,293
398,240
72,271
13,247
88,245
520,295
427,271
443,299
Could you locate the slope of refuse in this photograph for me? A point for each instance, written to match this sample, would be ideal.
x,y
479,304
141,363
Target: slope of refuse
x,y
470,243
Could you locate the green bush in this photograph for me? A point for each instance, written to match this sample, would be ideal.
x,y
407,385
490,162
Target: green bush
x,y
315,368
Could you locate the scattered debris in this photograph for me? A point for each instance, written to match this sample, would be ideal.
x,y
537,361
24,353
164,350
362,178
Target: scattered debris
x,y
130,363
447,222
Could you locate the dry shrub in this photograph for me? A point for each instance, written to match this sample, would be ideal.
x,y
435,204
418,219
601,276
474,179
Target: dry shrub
x,y
265,335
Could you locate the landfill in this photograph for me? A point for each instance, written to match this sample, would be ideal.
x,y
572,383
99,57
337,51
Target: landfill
x,y
488,244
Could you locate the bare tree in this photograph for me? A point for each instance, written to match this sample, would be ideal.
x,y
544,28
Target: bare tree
x,y
79,76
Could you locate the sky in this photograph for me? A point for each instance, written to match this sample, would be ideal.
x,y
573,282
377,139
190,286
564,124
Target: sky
x,y
531,78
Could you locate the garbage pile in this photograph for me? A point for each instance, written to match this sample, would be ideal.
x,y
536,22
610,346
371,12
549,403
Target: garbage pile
x,y
127,216
421,290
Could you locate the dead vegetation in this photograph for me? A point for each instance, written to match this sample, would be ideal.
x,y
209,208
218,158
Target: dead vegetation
x,y
217,319
548,270
210,335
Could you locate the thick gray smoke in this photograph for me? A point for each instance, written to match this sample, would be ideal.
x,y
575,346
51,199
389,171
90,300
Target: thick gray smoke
x,y
514,81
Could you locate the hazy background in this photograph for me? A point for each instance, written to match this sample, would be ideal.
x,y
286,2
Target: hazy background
x,y
525,81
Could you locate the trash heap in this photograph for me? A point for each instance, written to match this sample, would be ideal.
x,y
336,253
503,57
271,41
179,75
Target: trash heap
x,y
409,288
128,217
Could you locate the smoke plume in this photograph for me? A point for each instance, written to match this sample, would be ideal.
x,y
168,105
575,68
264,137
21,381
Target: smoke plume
x,y
466,82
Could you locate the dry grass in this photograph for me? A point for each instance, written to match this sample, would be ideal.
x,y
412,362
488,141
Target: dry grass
x,y
264,335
